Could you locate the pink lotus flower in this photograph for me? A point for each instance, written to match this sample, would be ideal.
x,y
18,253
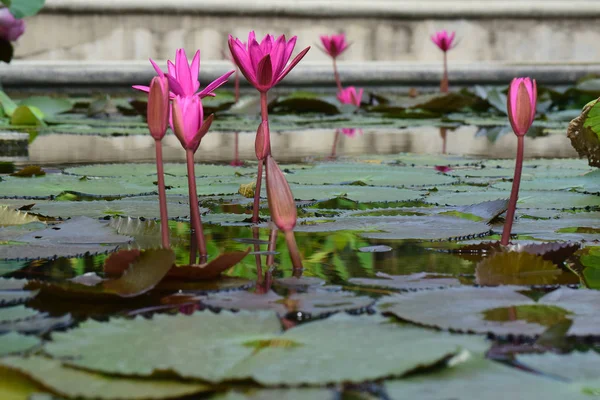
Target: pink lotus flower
x,y
183,77
264,64
351,132
10,27
350,96
188,121
442,168
443,40
334,45
521,103
158,107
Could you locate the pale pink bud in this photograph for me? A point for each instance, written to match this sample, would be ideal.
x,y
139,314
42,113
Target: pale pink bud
x,y
521,103
158,107
281,199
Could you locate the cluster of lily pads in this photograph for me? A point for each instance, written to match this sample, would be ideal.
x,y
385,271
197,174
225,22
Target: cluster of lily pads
x,y
407,277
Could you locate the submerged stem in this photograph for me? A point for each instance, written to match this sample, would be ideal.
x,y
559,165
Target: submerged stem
x,y
264,113
335,142
336,74
256,237
444,83
294,253
237,84
271,247
514,194
162,196
194,209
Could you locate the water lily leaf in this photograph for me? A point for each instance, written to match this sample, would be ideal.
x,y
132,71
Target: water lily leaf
x,y
527,199
77,231
223,284
13,342
487,210
313,304
142,275
408,282
280,394
149,169
226,346
380,175
584,132
579,368
39,324
11,297
49,106
403,227
16,313
27,115
8,105
12,283
210,270
516,268
10,217
500,310
375,249
478,378
302,283
27,251
363,194
119,261
304,102
73,383
15,386
25,8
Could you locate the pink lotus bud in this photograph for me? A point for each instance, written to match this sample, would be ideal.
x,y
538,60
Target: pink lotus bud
x,y
10,27
262,145
443,40
188,123
350,96
281,199
158,107
351,132
521,103
334,45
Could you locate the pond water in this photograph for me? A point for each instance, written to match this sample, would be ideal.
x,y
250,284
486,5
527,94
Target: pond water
x,y
393,246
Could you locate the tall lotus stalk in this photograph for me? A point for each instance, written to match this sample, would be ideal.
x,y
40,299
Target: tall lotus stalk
x,y
158,118
190,127
335,45
444,40
264,65
283,209
521,103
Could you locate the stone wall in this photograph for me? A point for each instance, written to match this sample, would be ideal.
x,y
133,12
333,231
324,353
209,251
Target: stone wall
x,y
517,31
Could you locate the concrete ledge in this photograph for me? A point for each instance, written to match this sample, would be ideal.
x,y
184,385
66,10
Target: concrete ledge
x,y
341,8
68,75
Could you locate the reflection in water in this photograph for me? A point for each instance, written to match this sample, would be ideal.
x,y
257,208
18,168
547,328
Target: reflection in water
x,y
443,135
291,146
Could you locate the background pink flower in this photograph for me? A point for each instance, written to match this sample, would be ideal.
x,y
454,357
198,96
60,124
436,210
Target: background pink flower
x,y
334,45
350,95
10,27
443,40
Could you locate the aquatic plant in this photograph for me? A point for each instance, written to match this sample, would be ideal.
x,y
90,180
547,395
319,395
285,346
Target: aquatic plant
x,y
264,65
190,127
11,28
350,95
444,41
183,77
158,118
283,208
335,45
521,102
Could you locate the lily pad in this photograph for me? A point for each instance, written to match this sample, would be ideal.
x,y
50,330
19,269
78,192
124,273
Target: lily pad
x,y
279,394
13,217
40,324
584,132
13,342
73,383
516,268
364,194
16,313
527,199
225,346
408,282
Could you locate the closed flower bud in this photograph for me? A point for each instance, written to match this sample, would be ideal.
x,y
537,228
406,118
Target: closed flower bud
x,y
158,107
521,102
281,199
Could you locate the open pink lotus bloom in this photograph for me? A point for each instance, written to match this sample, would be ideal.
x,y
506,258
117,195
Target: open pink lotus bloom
x,y
188,121
443,40
334,45
521,103
10,27
183,77
264,64
350,96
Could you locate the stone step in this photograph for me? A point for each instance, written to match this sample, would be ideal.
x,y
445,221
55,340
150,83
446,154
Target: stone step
x,y
68,75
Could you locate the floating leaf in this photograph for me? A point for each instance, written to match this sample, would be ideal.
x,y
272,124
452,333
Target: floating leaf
x,y
10,217
210,270
478,378
279,394
38,324
516,268
316,303
29,171
8,105
142,275
11,297
375,249
408,282
584,132
77,231
16,313
12,343
27,115
49,106
217,347
75,383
